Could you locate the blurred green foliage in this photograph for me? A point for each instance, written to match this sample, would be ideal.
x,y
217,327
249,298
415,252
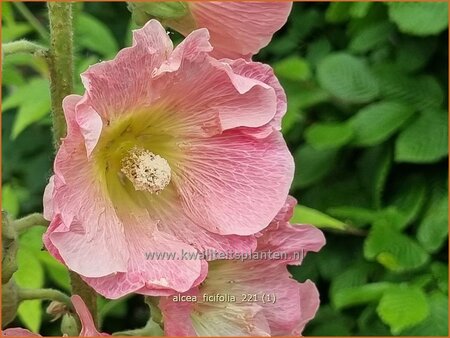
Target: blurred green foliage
x,y
367,123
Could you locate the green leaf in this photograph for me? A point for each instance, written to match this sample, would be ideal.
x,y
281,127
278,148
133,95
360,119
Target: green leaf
x,y
292,116
436,323
335,257
338,12
29,275
421,92
360,9
15,32
424,140
391,217
305,215
440,274
341,187
419,18
330,135
352,278
369,323
348,78
408,198
115,307
403,306
10,200
317,50
32,238
370,37
310,96
433,230
413,54
56,270
395,251
95,35
11,76
30,313
7,14
377,122
353,215
293,68
374,167
33,102
329,322
358,295
312,165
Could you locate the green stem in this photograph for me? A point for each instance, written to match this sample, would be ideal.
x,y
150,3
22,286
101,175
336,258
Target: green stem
x,y
50,294
23,9
21,46
60,61
29,221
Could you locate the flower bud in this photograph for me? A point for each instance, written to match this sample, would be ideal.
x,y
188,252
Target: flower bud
x,y
10,302
56,310
162,11
9,249
69,325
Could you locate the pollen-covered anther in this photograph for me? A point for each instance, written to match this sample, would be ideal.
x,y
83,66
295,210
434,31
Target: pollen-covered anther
x,y
147,171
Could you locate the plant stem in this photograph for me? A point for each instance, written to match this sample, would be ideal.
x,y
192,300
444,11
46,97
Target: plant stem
x,y
29,221
22,8
21,46
60,61
51,294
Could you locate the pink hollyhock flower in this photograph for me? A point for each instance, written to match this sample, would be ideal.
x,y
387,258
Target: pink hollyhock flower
x,y
238,29
168,152
87,323
251,297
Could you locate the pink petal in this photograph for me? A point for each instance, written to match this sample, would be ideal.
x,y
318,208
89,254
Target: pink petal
x,y
113,87
216,319
87,323
263,73
239,29
177,315
309,302
90,124
293,241
157,275
48,199
209,243
215,90
19,332
278,304
88,226
236,172
224,322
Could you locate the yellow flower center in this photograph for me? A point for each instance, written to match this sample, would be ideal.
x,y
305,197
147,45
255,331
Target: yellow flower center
x,y
147,171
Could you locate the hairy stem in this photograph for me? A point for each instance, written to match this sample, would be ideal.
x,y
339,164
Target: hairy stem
x,y
22,8
50,294
29,221
60,61
21,46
